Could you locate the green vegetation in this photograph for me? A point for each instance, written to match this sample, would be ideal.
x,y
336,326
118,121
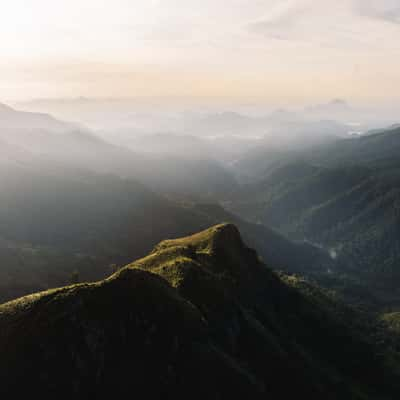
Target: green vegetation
x,y
201,316
198,317
52,225
344,198
393,320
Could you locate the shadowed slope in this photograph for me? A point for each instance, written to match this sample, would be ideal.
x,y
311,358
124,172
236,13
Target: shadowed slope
x,y
130,334
200,317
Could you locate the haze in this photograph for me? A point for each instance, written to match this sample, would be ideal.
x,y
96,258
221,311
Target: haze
x,y
295,51
200,199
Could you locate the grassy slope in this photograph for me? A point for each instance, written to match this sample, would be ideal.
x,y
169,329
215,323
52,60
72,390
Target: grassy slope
x,y
199,316
54,224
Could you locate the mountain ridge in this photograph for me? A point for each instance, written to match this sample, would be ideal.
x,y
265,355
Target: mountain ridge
x,y
199,316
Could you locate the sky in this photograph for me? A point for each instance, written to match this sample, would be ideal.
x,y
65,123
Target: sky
x,y
296,51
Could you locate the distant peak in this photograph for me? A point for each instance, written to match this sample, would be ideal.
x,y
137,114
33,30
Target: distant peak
x,y
339,102
4,108
336,104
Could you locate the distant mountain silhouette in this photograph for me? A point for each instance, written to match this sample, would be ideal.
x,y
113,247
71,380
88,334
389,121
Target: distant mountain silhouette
x,y
11,119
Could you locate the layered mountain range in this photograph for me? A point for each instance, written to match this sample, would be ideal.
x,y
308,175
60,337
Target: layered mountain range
x,y
343,197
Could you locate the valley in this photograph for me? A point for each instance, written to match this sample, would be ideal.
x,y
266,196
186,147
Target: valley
x,y
80,223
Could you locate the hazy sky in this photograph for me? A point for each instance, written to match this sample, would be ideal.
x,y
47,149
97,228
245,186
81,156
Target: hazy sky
x,y
280,50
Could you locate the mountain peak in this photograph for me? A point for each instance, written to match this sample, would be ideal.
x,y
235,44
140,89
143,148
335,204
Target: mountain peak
x,y
227,234
224,234
207,255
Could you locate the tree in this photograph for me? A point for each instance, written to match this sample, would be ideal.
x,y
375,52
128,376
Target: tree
x,y
75,277
114,268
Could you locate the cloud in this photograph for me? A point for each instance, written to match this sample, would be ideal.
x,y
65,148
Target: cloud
x,y
386,10
340,25
162,32
282,21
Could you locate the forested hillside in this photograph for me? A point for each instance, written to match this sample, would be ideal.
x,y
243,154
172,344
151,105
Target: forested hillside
x,y
198,317
344,197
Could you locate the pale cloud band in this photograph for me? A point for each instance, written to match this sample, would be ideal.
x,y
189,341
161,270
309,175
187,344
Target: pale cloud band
x,y
271,48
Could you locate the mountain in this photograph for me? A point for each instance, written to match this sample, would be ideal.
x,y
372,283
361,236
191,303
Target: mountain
x,y
47,138
188,146
392,320
172,144
343,197
283,254
163,173
382,130
224,148
334,107
281,129
56,220
287,191
12,120
224,123
376,150
199,317
286,143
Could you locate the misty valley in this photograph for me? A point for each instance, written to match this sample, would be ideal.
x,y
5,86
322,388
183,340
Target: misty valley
x,y
230,258
200,200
